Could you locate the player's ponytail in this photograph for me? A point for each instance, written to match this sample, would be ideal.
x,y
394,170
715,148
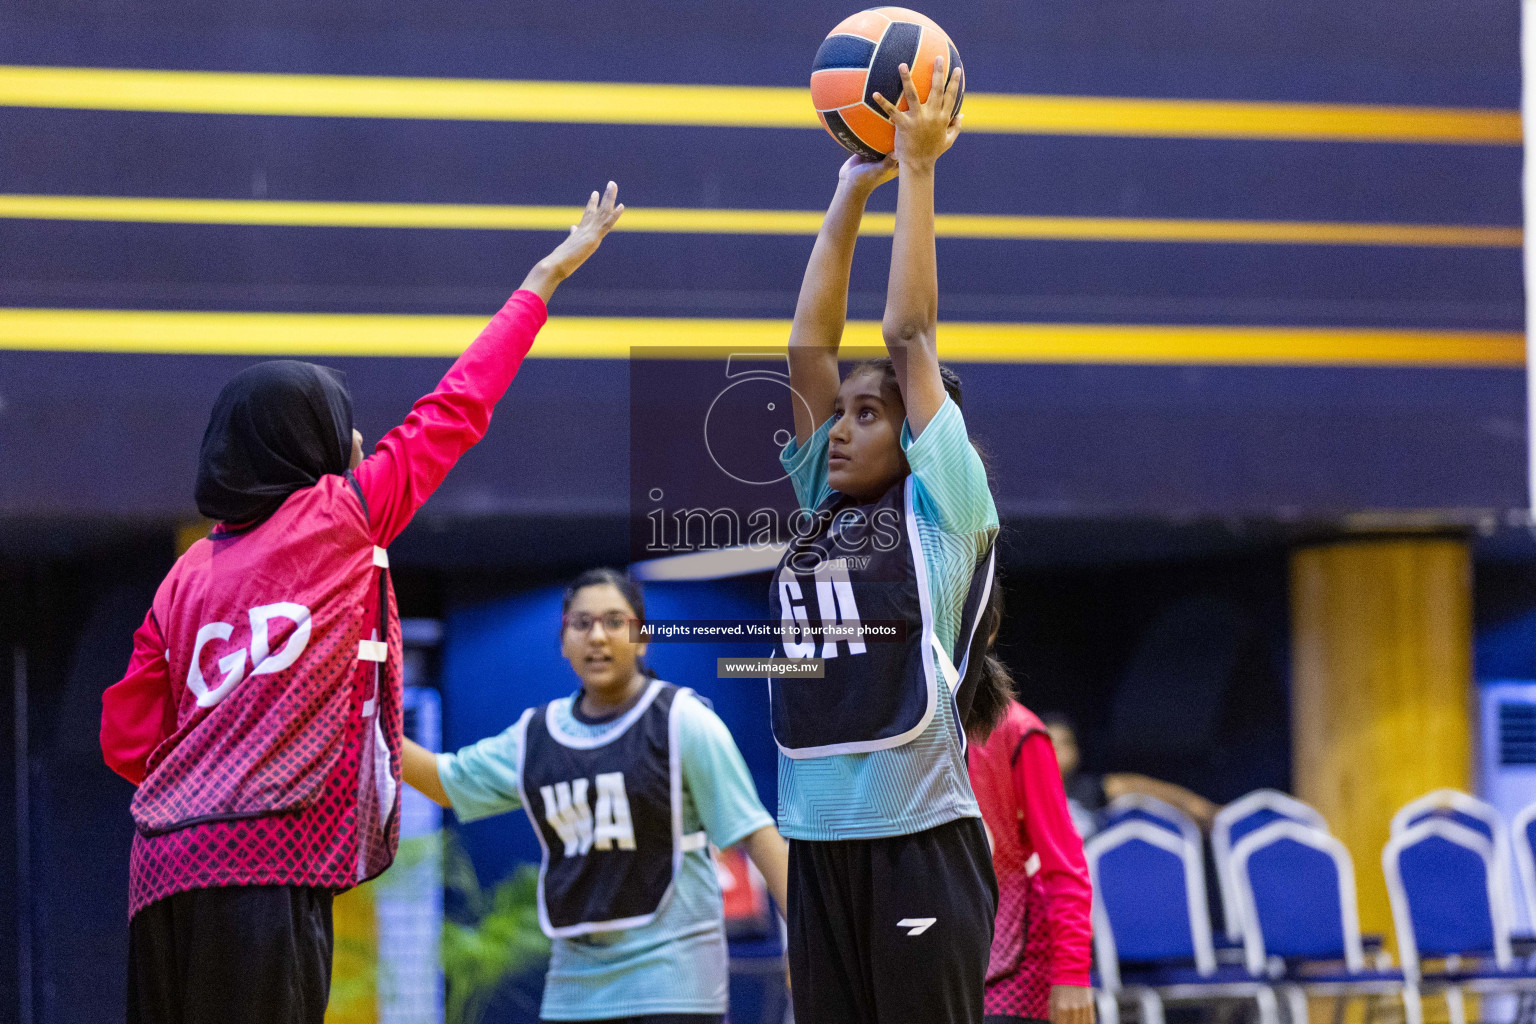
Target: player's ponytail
x,y
633,595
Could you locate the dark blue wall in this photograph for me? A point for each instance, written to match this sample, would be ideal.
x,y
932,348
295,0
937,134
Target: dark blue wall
x,y
75,619
1505,608
1372,51
114,435
98,434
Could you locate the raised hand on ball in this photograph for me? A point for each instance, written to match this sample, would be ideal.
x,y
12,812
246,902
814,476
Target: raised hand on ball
x,y
927,128
599,217
865,175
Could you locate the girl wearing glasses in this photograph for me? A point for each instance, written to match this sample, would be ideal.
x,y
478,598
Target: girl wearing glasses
x,y
626,782
891,889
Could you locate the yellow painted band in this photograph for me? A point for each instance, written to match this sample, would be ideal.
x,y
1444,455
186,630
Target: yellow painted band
x,y
291,213
348,334
1228,119
726,106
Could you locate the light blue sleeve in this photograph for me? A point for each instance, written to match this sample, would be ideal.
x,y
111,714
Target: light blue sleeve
x,y
481,779
716,776
952,486
807,466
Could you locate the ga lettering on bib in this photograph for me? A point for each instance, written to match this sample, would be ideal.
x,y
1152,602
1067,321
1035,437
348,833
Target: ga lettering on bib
x,y
852,563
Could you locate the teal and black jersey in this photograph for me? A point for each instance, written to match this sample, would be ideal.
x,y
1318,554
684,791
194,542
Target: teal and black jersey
x,y
608,812
898,766
676,963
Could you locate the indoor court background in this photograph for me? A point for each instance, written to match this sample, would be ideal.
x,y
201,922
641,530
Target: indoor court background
x,y
1234,288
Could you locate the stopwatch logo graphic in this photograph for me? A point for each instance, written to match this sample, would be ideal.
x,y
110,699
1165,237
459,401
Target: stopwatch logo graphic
x,y
752,418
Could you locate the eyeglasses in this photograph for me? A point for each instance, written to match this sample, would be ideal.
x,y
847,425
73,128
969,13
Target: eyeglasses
x,y
613,623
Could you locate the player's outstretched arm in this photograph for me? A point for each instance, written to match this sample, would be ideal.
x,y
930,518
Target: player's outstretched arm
x,y
419,766
601,214
411,460
823,305
924,131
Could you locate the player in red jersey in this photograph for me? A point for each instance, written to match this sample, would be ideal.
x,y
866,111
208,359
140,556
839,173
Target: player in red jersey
x,y
260,714
1041,946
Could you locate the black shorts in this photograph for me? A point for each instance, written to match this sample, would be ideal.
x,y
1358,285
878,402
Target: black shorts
x,y
257,954
894,930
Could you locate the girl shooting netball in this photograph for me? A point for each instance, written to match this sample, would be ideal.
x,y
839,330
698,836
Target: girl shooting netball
x,y
260,715
891,889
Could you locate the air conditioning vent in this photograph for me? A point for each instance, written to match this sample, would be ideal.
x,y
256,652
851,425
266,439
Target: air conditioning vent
x,y
1517,733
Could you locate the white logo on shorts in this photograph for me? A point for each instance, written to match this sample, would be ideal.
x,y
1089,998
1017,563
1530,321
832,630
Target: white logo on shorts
x,y
917,924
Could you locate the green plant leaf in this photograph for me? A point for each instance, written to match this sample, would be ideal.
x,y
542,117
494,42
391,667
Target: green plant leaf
x,y
501,940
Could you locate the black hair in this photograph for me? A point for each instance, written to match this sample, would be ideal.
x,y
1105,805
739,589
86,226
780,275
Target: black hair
x,y
890,385
987,683
633,595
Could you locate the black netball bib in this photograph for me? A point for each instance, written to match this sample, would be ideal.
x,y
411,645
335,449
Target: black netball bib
x,y
863,563
608,812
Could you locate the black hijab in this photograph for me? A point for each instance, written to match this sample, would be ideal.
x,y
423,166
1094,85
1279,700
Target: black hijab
x,y
276,427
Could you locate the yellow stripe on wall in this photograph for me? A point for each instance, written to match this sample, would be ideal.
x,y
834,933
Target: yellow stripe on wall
x,y
731,106
1226,119
347,334
291,213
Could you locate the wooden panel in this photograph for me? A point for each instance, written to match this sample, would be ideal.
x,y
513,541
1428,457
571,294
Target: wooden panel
x,y
1380,693
189,533
355,960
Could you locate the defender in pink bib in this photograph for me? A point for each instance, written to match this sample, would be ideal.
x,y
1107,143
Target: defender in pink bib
x,y
1039,965
260,716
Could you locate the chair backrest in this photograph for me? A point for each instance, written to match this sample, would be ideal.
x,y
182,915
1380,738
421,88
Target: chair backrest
x,y
1446,901
1471,813
1296,886
1523,836
1452,805
1139,807
1148,898
1239,818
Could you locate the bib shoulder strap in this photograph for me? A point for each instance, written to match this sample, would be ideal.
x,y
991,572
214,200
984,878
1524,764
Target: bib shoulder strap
x,y
520,728
946,664
982,582
688,841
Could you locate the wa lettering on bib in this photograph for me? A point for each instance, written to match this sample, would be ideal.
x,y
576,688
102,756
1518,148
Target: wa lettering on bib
x,y
608,812
851,563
